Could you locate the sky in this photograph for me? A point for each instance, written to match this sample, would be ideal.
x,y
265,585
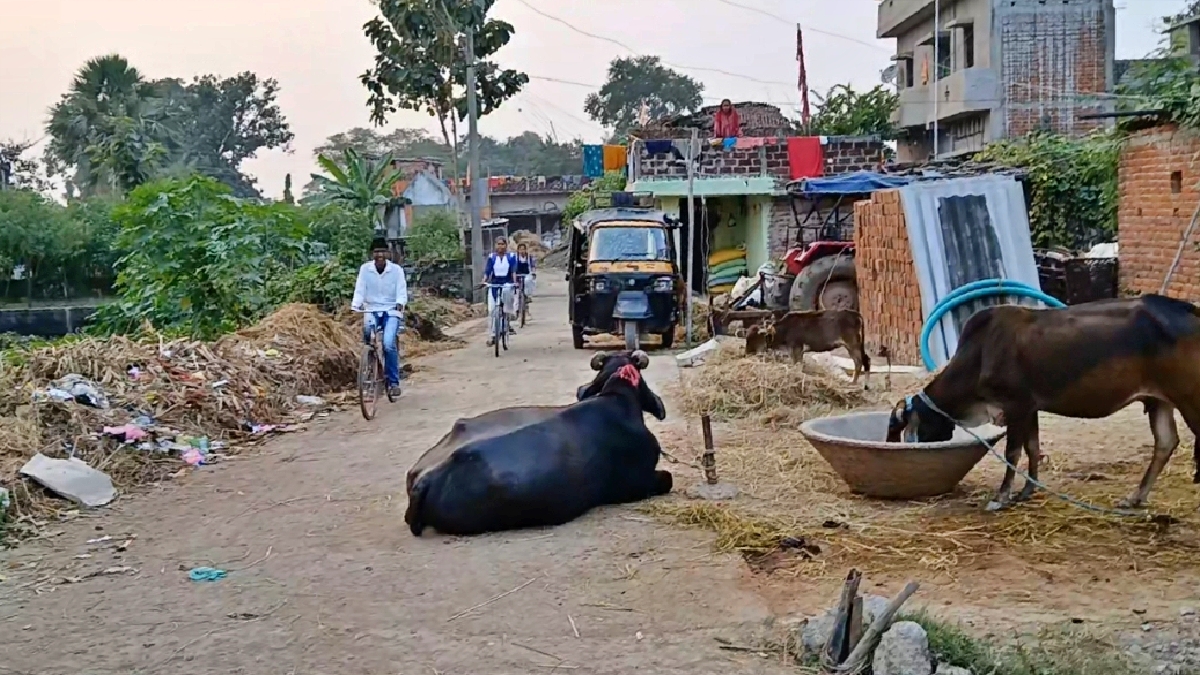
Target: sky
x,y
316,49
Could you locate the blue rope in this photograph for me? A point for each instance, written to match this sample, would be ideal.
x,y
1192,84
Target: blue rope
x,y
973,291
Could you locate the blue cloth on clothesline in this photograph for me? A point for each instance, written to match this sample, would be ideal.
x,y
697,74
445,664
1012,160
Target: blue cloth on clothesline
x,y
593,161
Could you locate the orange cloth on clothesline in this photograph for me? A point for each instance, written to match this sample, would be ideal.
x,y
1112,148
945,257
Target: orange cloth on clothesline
x,y
615,157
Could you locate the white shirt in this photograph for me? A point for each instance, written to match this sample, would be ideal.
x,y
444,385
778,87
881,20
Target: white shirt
x,y
500,266
375,292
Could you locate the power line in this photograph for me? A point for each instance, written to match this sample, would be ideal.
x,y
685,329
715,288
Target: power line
x,y
626,47
840,36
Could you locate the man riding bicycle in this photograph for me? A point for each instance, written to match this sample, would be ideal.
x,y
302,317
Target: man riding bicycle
x,y
526,272
500,274
381,293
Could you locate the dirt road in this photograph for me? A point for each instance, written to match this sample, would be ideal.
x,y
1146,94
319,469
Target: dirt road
x,y
325,578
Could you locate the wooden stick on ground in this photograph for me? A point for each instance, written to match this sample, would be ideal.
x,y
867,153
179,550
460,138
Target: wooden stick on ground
x,y
860,659
836,648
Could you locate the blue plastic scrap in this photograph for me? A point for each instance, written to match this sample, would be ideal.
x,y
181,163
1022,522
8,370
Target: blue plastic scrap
x,y
206,574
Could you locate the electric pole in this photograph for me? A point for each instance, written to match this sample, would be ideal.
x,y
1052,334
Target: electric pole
x,y
478,187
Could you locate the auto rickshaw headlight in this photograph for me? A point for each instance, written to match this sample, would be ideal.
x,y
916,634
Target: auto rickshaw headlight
x,y
599,285
663,284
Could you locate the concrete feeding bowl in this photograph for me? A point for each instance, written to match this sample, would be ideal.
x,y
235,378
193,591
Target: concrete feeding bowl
x,y
854,446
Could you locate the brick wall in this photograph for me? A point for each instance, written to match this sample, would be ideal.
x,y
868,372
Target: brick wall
x,y
888,295
1158,178
1055,58
779,237
842,155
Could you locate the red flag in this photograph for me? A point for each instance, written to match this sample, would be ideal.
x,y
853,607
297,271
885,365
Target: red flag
x,y
802,78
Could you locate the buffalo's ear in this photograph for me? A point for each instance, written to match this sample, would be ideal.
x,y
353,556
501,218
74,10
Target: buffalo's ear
x,y
640,359
598,361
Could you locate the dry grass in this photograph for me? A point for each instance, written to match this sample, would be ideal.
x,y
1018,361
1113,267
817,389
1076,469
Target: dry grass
x,y
191,389
789,491
732,386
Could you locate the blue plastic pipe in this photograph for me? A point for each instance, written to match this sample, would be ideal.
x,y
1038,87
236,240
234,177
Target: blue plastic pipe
x,y
973,291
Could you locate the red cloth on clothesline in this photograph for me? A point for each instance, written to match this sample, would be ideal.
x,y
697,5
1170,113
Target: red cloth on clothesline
x,y
806,157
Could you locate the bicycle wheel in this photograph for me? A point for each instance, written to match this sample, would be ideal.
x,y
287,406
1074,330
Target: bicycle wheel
x,y
368,382
504,333
497,328
524,305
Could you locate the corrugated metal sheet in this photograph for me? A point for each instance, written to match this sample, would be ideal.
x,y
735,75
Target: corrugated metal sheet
x,y
964,230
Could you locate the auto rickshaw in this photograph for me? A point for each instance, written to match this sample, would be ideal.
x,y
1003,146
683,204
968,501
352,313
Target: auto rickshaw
x,y
622,274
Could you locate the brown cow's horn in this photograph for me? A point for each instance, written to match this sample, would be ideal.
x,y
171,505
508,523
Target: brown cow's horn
x,y
598,361
640,358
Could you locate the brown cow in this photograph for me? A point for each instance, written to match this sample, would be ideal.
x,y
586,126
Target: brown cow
x,y
817,331
1086,361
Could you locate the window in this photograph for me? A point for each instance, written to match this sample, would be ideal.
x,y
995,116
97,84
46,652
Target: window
x,y
968,37
1176,182
944,50
619,242
906,64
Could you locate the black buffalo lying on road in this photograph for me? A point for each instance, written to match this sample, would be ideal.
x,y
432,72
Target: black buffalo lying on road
x,y
594,452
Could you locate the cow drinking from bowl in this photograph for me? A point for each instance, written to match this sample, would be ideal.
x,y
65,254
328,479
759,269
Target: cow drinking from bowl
x,y
1086,361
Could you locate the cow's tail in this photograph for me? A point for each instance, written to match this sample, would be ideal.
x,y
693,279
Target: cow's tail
x,y
414,516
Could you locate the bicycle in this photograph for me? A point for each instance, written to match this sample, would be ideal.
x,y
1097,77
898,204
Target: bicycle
x,y
372,379
498,321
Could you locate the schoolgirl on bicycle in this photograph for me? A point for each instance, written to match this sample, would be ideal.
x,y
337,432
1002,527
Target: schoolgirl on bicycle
x,y
500,274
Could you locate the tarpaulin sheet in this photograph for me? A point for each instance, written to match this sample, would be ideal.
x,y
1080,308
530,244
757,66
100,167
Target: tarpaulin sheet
x,y
860,182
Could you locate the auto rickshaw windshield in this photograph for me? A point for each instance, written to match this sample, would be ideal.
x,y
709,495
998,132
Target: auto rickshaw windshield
x,y
629,243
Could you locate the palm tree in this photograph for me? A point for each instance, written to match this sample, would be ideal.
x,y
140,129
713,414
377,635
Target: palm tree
x,y
359,183
105,87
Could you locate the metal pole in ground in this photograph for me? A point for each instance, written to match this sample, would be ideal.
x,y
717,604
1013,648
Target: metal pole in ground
x,y
691,207
710,489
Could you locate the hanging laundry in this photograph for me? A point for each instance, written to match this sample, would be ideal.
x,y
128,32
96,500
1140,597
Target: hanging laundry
x,y
728,143
593,161
806,157
615,157
750,141
494,182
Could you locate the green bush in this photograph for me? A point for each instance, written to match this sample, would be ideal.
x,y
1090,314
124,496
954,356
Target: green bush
x,y
1073,185
581,200
199,261
434,236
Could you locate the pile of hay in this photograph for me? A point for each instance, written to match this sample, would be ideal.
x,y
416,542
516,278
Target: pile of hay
x,y
700,332
225,391
533,242
766,389
788,493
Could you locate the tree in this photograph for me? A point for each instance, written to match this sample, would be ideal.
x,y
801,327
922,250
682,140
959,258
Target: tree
x,y
418,65
105,87
434,236
222,122
842,111
24,172
581,200
361,184
636,80
288,197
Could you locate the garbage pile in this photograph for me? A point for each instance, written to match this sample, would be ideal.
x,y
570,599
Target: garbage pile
x,y
136,411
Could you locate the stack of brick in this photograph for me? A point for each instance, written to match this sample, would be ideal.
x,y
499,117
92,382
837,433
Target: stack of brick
x,y
1158,193
888,294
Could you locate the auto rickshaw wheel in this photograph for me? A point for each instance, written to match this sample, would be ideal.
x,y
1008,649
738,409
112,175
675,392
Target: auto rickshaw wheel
x,y
668,337
577,336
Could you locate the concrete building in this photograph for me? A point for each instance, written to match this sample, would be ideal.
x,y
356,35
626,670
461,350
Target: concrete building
x,y
1002,68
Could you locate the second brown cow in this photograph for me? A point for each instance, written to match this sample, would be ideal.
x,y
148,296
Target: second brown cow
x,y
816,331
